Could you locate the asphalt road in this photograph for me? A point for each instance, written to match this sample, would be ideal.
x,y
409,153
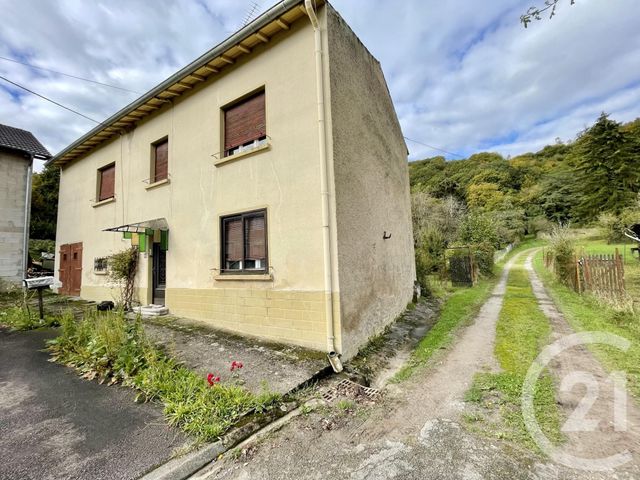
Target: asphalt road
x,y
54,424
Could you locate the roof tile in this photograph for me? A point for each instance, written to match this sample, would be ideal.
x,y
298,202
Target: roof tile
x,y
17,139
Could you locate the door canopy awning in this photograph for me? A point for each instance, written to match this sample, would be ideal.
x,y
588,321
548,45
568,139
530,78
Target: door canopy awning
x,y
145,233
141,227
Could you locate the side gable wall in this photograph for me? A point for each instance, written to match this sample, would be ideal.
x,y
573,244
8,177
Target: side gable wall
x,y
13,184
371,191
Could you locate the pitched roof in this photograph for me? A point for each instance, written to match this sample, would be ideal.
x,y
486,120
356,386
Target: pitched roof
x,y
18,139
275,20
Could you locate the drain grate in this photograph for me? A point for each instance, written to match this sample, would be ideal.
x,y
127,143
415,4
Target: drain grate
x,y
347,388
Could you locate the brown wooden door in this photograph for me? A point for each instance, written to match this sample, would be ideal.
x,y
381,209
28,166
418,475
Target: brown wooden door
x,y
70,272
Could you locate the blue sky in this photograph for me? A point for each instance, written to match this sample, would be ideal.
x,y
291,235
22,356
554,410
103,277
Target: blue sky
x,y
465,76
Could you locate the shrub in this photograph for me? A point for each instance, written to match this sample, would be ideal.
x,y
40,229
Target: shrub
x,y
430,213
613,226
540,225
36,247
479,228
122,270
483,255
563,251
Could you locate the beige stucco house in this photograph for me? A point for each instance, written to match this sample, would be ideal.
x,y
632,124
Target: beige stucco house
x,y
18,148
265,184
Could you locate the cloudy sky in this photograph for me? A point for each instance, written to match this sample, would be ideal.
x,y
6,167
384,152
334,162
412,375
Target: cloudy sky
x,y
465,76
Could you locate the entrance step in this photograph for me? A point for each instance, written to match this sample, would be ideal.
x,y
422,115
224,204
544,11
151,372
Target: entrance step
x,y
151,310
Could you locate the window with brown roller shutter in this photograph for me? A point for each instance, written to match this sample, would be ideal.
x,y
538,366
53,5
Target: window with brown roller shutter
x,y
233,243
245,124
107,179
161,160
244,242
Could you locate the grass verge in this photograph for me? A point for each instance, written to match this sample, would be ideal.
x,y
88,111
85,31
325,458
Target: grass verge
x,y
458,309
522,331
587,313
108,347
17,313
460,306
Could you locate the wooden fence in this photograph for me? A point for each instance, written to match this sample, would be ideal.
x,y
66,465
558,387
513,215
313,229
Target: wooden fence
x,y
602,275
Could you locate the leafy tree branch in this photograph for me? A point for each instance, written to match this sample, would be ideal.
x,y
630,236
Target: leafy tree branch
x,y
535,13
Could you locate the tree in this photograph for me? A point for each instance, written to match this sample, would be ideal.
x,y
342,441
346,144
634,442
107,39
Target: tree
x,y
608,167
485,196
44,203
535,13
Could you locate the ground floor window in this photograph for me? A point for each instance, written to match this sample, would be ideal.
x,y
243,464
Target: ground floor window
x,y
244,242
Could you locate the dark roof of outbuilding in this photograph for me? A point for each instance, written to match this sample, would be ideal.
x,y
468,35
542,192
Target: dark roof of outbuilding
x,y
18,139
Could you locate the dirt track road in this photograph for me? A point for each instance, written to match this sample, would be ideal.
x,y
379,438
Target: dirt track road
x,y
414,433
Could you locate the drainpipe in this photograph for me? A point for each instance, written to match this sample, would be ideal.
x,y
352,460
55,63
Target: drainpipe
x,y
334,359
27,219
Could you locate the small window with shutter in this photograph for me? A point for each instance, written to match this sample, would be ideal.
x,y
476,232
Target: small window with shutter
x,y
160,156
106,182
245,125
244,242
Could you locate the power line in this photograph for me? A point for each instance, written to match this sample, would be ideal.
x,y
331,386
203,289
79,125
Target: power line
x,y
69,75
48,99
432,147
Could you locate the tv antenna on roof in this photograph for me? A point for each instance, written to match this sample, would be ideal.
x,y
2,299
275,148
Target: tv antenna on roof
x,y
251,12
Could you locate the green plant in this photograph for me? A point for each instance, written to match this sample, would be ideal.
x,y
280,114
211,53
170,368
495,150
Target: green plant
x,y
306,409
483,255
107,346
563,251
346,405
539,225
122,270
612,226
22,318
429,253
480,228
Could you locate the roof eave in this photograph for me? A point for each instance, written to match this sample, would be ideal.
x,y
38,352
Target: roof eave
x,y
271,15
39,156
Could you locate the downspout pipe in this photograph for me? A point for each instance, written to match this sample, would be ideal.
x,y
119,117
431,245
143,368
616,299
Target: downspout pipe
x,y
27,219
334,359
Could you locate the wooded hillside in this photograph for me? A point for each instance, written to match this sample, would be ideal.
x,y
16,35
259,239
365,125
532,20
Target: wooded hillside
x,y
489,199
597,173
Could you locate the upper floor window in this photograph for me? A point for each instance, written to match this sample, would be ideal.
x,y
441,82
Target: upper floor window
x,y
245,125
244,242
160,157
106,182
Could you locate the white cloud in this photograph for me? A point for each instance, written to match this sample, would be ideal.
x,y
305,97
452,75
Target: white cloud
x,y
474,78
463,77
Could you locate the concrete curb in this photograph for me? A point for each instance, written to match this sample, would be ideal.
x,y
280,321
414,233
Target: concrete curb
x,y
183,467
187,465
207,471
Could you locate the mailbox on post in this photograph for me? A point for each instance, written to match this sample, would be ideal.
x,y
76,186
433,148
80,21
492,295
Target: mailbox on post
x,y
39,284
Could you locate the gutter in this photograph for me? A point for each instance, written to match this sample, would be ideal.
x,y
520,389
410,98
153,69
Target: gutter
x,y
27,218
334,359
269,16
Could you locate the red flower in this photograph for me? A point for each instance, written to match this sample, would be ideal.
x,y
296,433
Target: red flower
x,y
212,379
236,365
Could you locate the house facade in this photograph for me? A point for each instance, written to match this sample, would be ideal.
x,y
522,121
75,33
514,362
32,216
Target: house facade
x,y
18,148
265,186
